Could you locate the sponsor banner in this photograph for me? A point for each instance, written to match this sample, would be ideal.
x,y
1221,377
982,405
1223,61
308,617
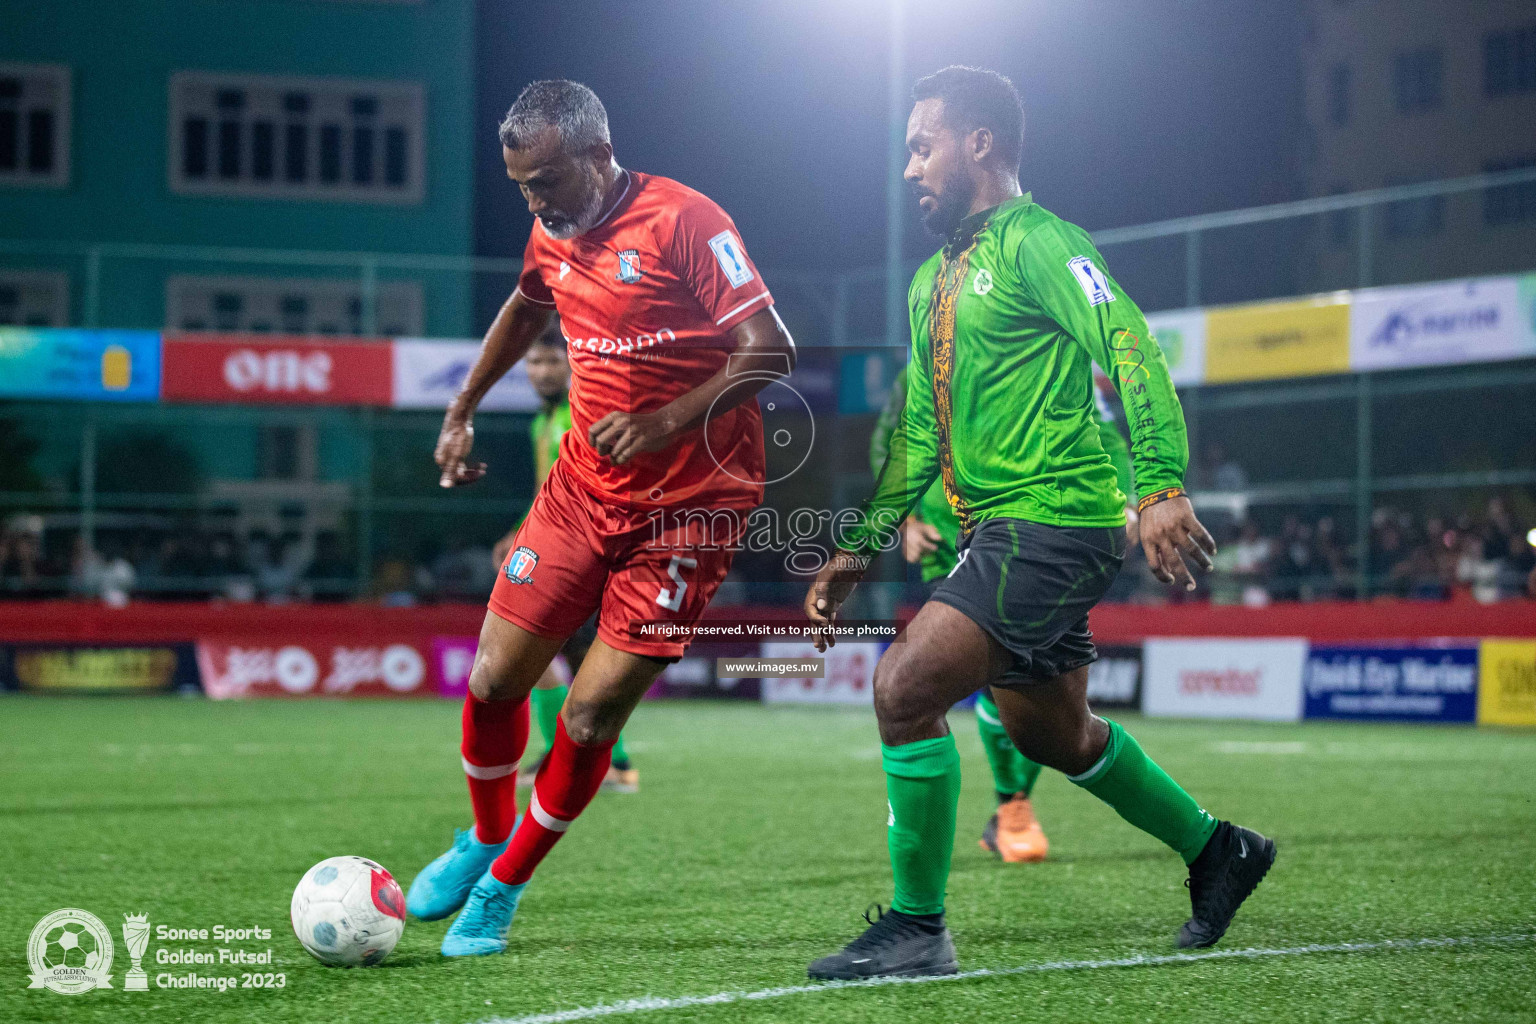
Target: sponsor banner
x,y
1432,324
85,364
1506,693
76,668
1395,683
1114,681
313,667
453,657
1207,678
848,676
1181,336
265,369
1527,300
1278,339
428,374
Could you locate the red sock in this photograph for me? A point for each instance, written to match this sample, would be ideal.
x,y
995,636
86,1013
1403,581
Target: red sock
x,y
567,782
495,735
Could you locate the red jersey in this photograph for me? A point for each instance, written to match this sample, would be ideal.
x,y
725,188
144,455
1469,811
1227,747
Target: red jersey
x,y
647,299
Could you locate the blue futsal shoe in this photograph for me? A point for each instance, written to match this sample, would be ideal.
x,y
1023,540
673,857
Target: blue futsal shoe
x,y
482,928
443,886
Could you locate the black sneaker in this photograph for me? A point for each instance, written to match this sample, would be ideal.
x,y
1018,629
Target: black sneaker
x,y
989,835
1230,867
894,945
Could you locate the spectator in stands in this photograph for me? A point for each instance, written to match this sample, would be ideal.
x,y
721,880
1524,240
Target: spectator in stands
x,y
107,574
1517,570
1220,473
21,555
277,564
1250,565
227,567
330,572
1330,579
1292,570
464,572
1388,550
1475,573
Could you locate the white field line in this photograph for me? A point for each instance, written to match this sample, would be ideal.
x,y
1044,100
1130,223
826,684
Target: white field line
x,y
650,1003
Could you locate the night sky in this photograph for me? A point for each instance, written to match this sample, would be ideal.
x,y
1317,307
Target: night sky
x,y
1136,110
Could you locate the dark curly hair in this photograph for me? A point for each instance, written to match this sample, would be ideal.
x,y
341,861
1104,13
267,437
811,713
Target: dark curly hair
x,y
977,98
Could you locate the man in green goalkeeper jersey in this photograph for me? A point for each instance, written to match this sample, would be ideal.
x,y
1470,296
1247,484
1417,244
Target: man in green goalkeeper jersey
x,y
1008,319
929,536
549,373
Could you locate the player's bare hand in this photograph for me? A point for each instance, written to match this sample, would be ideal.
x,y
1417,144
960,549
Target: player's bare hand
x,y
918,539
453,447
499,552
620,436
1169,533
828,592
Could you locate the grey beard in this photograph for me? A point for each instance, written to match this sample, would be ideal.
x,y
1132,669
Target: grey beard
x,y
582,221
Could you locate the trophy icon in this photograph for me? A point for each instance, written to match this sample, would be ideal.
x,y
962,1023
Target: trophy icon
x,y
136,937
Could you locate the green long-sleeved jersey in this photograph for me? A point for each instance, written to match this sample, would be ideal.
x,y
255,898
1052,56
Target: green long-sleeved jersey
x,y
933,507
1007,321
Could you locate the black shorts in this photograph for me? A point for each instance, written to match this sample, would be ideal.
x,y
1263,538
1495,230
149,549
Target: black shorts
x,y
1030,586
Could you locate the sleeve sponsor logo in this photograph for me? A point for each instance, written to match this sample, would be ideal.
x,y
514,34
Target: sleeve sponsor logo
x,y
728,254
1091,280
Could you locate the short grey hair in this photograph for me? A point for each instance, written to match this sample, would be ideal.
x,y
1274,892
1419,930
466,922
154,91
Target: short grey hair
x,y
570,108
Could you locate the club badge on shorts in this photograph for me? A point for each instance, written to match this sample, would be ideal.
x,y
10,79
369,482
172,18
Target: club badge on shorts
x,y
520,565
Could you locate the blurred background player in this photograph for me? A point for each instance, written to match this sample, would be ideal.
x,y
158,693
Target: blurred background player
x,y
549,373
671,333
1008,319
929,538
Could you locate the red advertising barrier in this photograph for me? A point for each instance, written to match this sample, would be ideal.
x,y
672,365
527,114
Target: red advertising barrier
x,y
1323,622
272,651
265,369
318,650
339,666
152,622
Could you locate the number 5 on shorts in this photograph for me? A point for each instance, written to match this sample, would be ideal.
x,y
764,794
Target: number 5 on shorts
x,y
671,598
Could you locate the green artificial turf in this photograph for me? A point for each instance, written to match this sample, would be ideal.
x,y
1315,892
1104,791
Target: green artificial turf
x,y
755,843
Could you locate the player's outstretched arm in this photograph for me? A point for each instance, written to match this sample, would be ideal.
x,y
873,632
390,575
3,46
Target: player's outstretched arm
x,y
510,334
764,353
1068,278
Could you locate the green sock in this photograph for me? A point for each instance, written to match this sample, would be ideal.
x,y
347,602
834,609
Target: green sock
x,y
1143,794
546,708
1012,772
922,784
620,756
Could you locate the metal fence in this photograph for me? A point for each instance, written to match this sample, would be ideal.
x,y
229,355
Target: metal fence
x,y
1358,464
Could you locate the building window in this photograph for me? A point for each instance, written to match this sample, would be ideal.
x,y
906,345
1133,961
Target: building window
x,y
1414,218
1338,93
1509,61
1509,204
297,138
269,305
1416,79
34,124
34,298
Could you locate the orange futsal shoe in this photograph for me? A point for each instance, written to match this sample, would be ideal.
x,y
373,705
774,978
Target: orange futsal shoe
x,y
622,780
1020,840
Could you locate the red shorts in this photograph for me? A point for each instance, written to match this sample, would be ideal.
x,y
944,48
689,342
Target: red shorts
x,y
649,574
